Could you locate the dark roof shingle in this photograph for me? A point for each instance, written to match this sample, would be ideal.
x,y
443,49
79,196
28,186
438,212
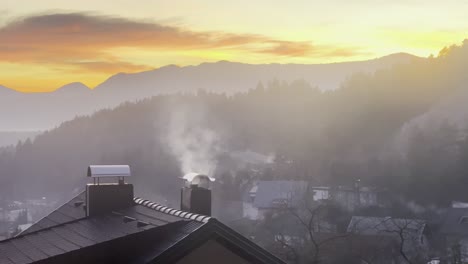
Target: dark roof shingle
x,y
142,233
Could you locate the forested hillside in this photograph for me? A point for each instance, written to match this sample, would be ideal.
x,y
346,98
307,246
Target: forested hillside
x,y
45,110
329,137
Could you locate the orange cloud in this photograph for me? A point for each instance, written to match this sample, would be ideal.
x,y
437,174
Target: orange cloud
x,y
110,67
303,49
77,35
80,43
292,49
73,37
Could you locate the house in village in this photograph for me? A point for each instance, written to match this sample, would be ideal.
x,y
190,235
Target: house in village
x,y
352,198
452,234
17,216
13,220
107,224
268,196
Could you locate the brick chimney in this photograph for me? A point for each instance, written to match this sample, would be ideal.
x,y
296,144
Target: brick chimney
x,y
196,194
106,197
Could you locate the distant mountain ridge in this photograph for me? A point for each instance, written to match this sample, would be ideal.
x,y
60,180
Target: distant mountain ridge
x,y
75,87
39,111
231,77
6,90
387,60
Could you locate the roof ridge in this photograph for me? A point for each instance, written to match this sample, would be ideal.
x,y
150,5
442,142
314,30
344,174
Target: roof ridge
x,y
171,211
229,235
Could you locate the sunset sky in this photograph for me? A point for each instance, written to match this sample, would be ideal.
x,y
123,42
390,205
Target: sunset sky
x,y
46,44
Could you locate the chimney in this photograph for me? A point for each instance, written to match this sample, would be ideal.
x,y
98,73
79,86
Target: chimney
x,y
107,197
196,194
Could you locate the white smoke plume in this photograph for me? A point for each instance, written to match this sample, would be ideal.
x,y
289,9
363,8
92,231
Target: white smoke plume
x,y
194,144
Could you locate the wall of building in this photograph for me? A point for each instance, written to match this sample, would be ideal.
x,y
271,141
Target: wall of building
x,y
212,252
250,211
320,194
351,200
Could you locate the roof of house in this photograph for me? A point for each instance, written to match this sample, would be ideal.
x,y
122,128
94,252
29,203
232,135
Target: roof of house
x,y
455,222
146,232
386,226
271,194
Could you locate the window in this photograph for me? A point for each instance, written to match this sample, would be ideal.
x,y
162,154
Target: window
x,y
464,220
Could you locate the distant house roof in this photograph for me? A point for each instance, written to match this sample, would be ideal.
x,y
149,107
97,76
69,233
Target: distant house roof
x,y
354,189
455,222
273,194
146,232
386,226
24,227
458,204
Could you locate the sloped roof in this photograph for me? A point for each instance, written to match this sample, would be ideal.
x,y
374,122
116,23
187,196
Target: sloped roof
x,y
452,223
142,233
70,211
386,226
215,230
270,193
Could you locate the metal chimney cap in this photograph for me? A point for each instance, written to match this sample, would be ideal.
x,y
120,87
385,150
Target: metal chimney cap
x,y
109,171
198,179
192,175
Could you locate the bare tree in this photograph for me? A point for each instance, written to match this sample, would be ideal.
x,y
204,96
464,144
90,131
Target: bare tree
x,y
407,235
301,227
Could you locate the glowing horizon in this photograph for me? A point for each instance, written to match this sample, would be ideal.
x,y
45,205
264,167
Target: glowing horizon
x,y
46,45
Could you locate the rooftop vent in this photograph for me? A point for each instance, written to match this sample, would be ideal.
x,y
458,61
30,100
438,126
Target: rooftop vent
x,y
142,224
127,219
106,197
79,203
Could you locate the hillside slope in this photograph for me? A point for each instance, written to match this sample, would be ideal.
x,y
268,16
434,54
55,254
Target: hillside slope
x,y
40,111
